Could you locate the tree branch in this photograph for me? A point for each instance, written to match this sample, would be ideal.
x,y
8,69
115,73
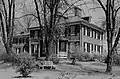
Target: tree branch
x,y
66,10
116,40
37,10
102,5
26,15
117,11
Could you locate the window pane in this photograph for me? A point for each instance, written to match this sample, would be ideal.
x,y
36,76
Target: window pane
x,y
88,47
72,29
88,31
62,46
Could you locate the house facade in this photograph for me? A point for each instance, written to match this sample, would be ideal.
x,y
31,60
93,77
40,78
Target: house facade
x,y
82,37
79,36
20,43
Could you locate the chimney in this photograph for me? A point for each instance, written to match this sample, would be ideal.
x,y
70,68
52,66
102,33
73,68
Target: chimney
x,y
77,11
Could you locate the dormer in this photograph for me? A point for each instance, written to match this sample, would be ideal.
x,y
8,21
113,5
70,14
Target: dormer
x,y
87,18
74,11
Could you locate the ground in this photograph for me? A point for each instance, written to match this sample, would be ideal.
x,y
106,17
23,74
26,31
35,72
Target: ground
x,y
64,70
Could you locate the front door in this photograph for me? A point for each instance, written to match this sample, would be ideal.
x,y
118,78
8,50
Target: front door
x,y
35,50
63,48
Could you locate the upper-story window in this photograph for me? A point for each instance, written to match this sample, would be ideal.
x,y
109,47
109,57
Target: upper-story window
x,y
21,40
35,34
15,40
95,34
31,33
74,29
98,35
101,36
85,30
88,31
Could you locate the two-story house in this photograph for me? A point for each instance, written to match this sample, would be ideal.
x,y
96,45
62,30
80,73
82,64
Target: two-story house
x,y
80,36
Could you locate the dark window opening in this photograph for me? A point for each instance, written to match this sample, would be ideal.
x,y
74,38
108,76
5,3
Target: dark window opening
x,y
62,46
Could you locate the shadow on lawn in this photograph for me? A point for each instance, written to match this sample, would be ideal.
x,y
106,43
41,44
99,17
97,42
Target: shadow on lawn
x,y
22,77
4,65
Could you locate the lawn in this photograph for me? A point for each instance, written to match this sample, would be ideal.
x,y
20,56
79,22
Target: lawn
x,y
63,71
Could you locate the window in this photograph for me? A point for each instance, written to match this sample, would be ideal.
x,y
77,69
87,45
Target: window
x,y
72,32
101,49
98,48
88,31
32,33
21,40
36,34
92,32
77,29
85,47
88,47
95,47
91,47
84,29
15,40
99,35
62,46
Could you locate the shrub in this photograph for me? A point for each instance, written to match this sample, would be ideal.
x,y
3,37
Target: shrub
x,y
9,58
84,57
25,64
54,59
99,57
116,59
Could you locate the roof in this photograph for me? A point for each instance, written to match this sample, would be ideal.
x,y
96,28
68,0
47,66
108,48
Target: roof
x,y
22,35
34,27
76,19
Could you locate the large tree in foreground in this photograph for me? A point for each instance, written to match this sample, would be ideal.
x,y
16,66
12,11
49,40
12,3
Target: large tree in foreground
x,y
111,10
49,13
7,15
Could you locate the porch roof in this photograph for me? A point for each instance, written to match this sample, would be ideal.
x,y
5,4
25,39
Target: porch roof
x,y
22,35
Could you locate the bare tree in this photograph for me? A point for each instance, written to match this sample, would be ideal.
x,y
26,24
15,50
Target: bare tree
x,y
111,10
48,17
7,15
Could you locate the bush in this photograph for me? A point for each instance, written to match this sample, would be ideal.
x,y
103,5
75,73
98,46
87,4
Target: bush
x,y
84,57
25,64
116,59
54,59
8,58
99,57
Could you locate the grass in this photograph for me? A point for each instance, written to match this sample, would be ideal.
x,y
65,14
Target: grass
x,y
98,64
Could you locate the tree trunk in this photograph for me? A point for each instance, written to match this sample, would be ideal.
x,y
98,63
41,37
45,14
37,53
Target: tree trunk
x,y
47,48
109,56
8,48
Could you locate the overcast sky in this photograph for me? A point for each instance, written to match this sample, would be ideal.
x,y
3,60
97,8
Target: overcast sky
x,y
96,14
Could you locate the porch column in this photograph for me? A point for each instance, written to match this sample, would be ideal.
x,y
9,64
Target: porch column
x,y
67,50
30,47
58,49
39,49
